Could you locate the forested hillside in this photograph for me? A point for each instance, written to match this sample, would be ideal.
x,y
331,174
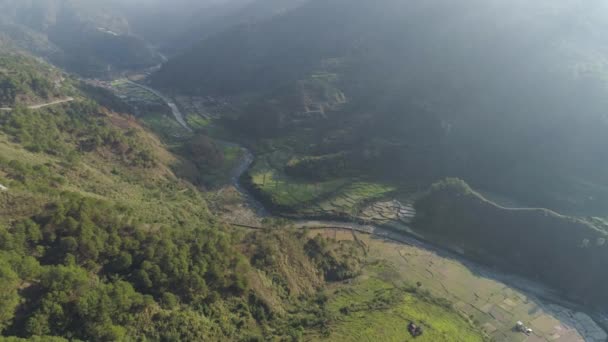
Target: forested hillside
x,y
24,81
497,92
568,253
100,240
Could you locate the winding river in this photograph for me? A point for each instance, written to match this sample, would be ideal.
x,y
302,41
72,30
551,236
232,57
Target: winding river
x,y
563,311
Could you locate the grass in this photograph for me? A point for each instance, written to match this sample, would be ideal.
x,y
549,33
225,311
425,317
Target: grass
x,y
159,121
489,303
374,309
196,121
165,126
337,196
341,196
155,190
351,197
391,325
289,193
134,92
10,151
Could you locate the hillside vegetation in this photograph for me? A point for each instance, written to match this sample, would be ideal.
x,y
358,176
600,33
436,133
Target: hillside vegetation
x,y
101,241
22,80
565,252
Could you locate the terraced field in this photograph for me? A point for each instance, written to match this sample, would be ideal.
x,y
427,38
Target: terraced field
x,y
339,197
348,200
293,194
388,212
132,93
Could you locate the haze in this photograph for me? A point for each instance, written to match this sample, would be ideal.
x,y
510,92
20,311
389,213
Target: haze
x,y
304,170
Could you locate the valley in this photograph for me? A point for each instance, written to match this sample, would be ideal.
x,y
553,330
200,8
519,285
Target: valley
x,y
491,299
303,170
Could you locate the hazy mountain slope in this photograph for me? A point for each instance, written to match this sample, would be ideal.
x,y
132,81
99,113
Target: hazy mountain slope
x,y
223,16
176,17
568,254
497,92
186,22
82,36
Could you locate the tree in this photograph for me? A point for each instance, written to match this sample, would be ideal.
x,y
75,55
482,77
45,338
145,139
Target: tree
x,y
121,263
204,152
9,298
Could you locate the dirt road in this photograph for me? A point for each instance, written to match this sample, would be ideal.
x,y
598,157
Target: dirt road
x,y
42,105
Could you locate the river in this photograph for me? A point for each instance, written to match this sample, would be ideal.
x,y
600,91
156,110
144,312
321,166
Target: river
x,y
589,331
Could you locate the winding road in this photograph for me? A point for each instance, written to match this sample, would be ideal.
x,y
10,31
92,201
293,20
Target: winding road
x,y
42,105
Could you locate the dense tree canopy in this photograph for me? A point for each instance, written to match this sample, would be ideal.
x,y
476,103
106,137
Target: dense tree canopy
x,y
24,80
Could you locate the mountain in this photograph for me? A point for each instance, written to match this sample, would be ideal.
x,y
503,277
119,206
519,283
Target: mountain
x,y
101,239
508,95
176,17
537,243
222,16
86,37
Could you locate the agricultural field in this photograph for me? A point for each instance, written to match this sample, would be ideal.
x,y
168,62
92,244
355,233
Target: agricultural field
x,y
372,308
349,200
165,126
334,197
132,93
292,194
473,292
154,112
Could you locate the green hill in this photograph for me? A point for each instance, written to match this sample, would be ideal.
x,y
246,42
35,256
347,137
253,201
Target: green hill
x,y
565,252
100,240
25,81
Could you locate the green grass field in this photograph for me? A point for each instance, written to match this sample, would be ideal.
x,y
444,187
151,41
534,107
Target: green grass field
x,y
492,305
336,196
341,196
289,193
165,126
350,198
372,308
